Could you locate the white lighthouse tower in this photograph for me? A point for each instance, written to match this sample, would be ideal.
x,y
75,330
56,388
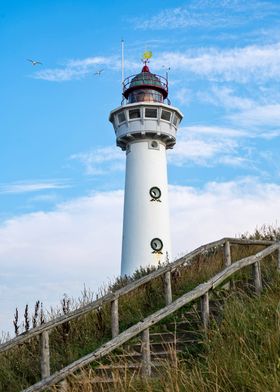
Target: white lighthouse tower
x,y
145,126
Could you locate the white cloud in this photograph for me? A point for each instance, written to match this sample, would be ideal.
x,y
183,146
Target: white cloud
x,y
223,96
172,18
48,197
199,151
214,131
221,209
246,112
255,62
211,146
77,69
198,144
24,187
206,14
101,160
183,96
201,145
44,254
206,146
268,115
271,134
232,160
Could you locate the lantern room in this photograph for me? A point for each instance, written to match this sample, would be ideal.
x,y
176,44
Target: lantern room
x,y
145,87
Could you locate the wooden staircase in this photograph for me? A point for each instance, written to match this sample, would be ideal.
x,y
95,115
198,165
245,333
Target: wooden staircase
x,y
172,341
144,347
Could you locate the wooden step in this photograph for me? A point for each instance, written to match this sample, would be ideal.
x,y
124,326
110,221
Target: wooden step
x,y
129,366
162,351
183,326
159,346
171,337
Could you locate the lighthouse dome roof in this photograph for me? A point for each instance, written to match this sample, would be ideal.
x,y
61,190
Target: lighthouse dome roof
x,y
145,79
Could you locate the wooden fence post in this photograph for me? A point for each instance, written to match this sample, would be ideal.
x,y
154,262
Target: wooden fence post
x,y
115,318
278,259
167,288
204,308
227,263
146,353
45,354
227,256
257,277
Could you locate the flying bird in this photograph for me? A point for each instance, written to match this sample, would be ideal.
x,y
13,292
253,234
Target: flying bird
x,y
98,72
34,62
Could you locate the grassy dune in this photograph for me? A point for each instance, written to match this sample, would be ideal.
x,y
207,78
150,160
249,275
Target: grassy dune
x,y
240,354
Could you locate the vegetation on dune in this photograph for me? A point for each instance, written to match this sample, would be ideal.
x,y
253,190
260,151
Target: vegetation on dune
x,y
240,354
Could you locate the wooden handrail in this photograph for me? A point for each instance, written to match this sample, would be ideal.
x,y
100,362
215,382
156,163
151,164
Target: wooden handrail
x,y
111,296
237,265
200,291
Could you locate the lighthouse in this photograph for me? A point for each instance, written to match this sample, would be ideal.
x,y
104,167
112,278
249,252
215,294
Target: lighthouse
x,y
145,126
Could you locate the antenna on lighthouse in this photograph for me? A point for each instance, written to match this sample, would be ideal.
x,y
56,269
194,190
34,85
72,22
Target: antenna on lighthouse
x,y
167,69
122,46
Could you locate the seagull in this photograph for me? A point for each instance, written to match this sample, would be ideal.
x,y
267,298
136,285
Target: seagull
x,y
34,62
98,72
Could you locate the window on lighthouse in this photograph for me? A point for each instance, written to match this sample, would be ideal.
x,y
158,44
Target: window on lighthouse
x,y
134,113
121,117
151,113
165,115
175,120
145,95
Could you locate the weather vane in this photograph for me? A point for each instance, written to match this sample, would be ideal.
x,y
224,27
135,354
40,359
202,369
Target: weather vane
x,y
146,56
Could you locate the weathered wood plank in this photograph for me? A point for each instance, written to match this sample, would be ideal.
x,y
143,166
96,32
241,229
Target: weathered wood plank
x,y
44,354
204,308
257,277
146,368
167,288
123,337
241,241
115,318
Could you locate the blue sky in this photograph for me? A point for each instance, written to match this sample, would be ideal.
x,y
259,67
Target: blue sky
x,y
62,177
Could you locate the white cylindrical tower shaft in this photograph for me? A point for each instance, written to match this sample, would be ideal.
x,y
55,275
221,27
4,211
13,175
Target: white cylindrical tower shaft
x,y
145,127
145,217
